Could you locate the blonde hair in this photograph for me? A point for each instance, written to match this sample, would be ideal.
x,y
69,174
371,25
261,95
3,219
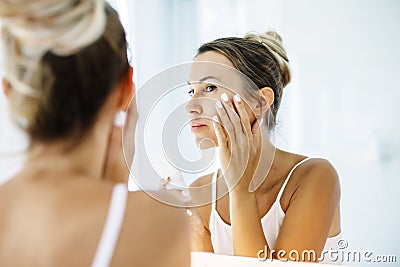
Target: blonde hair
x,y
32,28
272,41
262,58
50,49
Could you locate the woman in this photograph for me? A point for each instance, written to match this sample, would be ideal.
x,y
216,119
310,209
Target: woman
x,y
276,200
68,80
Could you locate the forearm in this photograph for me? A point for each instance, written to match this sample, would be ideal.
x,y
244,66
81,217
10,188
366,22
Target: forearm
x,y
248,235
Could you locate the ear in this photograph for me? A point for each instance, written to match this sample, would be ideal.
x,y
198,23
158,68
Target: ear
x,y
127,90
6,87
267,98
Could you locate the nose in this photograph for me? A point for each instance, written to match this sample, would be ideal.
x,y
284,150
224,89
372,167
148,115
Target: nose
x,y
194,107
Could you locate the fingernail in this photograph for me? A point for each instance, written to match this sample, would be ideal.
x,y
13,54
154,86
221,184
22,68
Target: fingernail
x,y
237,98
219,104
189,212
215,118
224,97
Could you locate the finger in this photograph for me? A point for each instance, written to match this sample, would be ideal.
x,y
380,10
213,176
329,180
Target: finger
x,y
225,122
183,195
195,214
244,117
189,212
256,132
221,138
233,116
170,185
173,196
182,198
163,182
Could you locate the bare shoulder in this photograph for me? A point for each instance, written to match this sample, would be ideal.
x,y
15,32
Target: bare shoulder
x,y
154,204
316,176
202,181
319,172
75,212
311,205
154,210
149,227
153,233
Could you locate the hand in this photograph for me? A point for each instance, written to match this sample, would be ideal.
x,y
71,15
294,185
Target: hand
x,y
238,142
196,223
181,195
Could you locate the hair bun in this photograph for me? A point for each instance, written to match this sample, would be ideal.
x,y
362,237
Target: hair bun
x,y
60,26
272,41
36,27
275,35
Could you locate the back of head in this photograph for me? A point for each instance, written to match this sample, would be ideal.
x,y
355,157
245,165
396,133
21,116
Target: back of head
x,y
261,57
62,59
272,41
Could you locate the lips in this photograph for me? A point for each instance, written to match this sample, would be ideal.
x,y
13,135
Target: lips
x,y
197,126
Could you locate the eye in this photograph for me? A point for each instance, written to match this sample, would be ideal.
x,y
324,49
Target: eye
x,y
210,88
190,92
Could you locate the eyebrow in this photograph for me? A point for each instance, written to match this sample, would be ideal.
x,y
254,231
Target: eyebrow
x,y
205,78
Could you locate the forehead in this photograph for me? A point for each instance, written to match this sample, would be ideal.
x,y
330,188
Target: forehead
x,y
213,56
215,67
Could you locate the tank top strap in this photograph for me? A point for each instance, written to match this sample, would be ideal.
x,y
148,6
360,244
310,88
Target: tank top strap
x,y
288,177
112,227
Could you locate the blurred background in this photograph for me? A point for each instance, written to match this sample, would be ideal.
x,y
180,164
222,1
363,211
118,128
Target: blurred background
x,y
342,103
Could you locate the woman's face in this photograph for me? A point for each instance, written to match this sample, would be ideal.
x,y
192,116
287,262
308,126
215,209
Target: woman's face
x,y
212,74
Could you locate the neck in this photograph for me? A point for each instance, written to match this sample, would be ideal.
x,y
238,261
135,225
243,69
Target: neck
x,y
85,157
266,159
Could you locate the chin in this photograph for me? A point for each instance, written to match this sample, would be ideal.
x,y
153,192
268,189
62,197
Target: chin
x,y
205,143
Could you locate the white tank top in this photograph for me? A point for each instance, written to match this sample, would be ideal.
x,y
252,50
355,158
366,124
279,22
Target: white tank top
x,y
221,232
112,227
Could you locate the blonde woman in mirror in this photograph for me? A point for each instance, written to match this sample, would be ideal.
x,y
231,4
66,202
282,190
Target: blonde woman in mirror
x,y
262,200
69,86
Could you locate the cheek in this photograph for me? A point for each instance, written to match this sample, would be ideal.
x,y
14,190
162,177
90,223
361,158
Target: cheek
x,y
209,108
252,110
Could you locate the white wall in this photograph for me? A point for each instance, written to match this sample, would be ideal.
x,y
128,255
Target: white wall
x,y
346,89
